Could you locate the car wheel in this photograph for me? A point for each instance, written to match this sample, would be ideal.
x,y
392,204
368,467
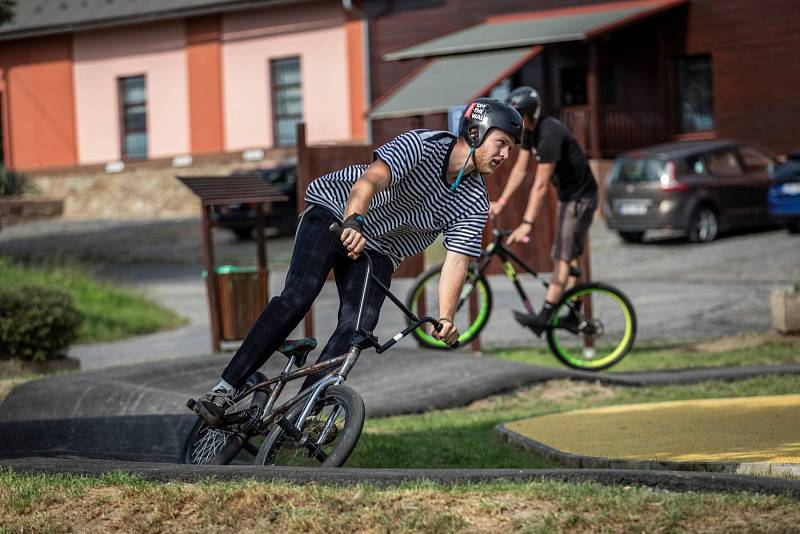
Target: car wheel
x,y
632,237
793,227
703,226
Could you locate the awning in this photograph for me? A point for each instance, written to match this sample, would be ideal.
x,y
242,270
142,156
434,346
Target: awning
x,y
468,63
444,82
536,28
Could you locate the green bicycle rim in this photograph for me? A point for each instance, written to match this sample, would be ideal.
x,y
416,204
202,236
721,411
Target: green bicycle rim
x,y
618,350
480,319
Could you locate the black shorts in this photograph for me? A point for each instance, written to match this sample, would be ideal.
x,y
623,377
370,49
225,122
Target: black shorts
x,y
573,219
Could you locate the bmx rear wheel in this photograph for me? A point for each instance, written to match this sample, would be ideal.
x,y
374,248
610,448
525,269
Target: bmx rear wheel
x,y
218,446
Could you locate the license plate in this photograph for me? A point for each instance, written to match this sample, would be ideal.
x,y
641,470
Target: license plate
x,y
791,189
632,208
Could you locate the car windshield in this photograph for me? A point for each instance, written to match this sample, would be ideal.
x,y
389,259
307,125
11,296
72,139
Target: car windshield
x,y
632,169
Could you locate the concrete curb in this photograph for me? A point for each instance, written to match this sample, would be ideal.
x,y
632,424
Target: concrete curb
x,y
577,461
156,472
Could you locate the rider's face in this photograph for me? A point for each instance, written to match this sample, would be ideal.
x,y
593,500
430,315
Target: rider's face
x,y
494,150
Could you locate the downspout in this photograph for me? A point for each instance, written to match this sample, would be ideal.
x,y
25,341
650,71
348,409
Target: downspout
x,y
348,6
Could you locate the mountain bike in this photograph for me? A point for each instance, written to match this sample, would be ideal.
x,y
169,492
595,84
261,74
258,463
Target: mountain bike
x,y
320,426
593,325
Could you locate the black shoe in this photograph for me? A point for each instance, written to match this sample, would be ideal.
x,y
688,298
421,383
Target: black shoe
x,y
570,322
211,406
533,322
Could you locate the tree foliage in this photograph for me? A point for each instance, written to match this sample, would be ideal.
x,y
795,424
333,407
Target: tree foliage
x,y
7,11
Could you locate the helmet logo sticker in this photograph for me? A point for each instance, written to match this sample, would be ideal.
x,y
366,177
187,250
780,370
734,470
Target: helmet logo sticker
x,y
469,109
479,111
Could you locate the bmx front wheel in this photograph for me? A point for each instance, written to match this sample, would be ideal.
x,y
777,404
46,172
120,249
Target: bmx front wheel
x,y
334,424
426,291
593,327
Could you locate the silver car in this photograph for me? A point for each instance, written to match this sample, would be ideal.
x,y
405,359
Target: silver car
x,y
697,187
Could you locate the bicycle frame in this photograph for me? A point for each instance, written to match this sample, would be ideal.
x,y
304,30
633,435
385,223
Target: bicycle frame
x,y
269,414
507,256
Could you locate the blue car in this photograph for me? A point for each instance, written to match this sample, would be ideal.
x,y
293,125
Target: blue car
x,y
784,193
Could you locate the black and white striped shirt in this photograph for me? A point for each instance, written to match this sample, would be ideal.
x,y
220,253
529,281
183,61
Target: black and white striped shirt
x,y
418,205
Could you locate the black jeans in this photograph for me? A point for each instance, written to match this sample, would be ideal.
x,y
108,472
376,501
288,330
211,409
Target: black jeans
x,y
316,252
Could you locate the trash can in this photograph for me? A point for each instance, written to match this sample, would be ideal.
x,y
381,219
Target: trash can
x,y
242,295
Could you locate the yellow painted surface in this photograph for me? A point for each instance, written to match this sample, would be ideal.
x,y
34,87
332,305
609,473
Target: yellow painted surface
x,y
747,429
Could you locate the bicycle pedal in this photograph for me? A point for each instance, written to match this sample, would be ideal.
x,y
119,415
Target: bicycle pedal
x,y
192,405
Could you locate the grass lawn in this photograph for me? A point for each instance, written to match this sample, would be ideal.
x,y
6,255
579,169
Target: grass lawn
x,y
110,312
455,438
744,349
115,503
462,437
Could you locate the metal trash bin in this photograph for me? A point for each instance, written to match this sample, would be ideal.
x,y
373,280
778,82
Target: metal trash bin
x,y
242,295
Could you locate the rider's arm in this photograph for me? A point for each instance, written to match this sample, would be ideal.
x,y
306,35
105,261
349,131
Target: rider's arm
x,y
515,179
544,171
451,281
375,179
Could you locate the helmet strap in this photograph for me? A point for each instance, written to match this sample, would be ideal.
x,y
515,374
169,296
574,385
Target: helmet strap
x,y
461,172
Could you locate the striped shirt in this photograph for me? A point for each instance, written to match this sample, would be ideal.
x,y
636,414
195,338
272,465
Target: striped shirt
x,y
417,205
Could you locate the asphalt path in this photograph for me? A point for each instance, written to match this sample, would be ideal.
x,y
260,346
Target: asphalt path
x,y
681,291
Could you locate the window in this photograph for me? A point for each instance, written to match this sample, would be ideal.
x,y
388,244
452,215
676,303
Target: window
x,y
754,159
724,163
692,165
133,117
695,94
501,90
287,101
607,85
573,86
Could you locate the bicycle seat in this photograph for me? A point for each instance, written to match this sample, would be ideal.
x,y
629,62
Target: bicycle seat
x,y
299,348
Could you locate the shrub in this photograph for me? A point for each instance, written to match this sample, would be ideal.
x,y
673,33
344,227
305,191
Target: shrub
x,y
36,323
13,182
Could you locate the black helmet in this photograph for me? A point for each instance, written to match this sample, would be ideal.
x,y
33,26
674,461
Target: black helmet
x,y
484,114
525,100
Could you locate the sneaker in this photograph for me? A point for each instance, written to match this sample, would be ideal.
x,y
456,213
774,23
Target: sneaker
x,y
571,322
211,406
534,322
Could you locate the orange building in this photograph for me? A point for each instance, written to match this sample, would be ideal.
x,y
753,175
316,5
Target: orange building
x,y
105,83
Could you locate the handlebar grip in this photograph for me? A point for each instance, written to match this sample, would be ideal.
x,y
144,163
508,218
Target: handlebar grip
x,y
336,228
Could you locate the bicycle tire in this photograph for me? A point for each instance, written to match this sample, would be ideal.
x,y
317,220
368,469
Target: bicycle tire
x,y
471,329
279,449
207,445
602,339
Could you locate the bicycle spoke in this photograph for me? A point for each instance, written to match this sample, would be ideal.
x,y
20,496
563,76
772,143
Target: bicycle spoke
x,y
209,444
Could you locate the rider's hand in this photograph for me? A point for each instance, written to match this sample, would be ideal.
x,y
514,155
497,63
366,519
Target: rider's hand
x,y
520,233
449,333
496,207
354,242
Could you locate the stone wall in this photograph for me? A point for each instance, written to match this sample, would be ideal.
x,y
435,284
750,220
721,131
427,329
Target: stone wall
x,y
142,192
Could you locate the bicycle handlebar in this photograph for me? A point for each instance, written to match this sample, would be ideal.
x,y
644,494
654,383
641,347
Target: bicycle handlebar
x,y
337,229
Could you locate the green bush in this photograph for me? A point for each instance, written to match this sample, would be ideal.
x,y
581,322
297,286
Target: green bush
x,y
13,182
36,323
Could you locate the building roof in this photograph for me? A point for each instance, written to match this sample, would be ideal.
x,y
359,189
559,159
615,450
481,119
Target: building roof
x,y
466,64
536,28
447,81
44,17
